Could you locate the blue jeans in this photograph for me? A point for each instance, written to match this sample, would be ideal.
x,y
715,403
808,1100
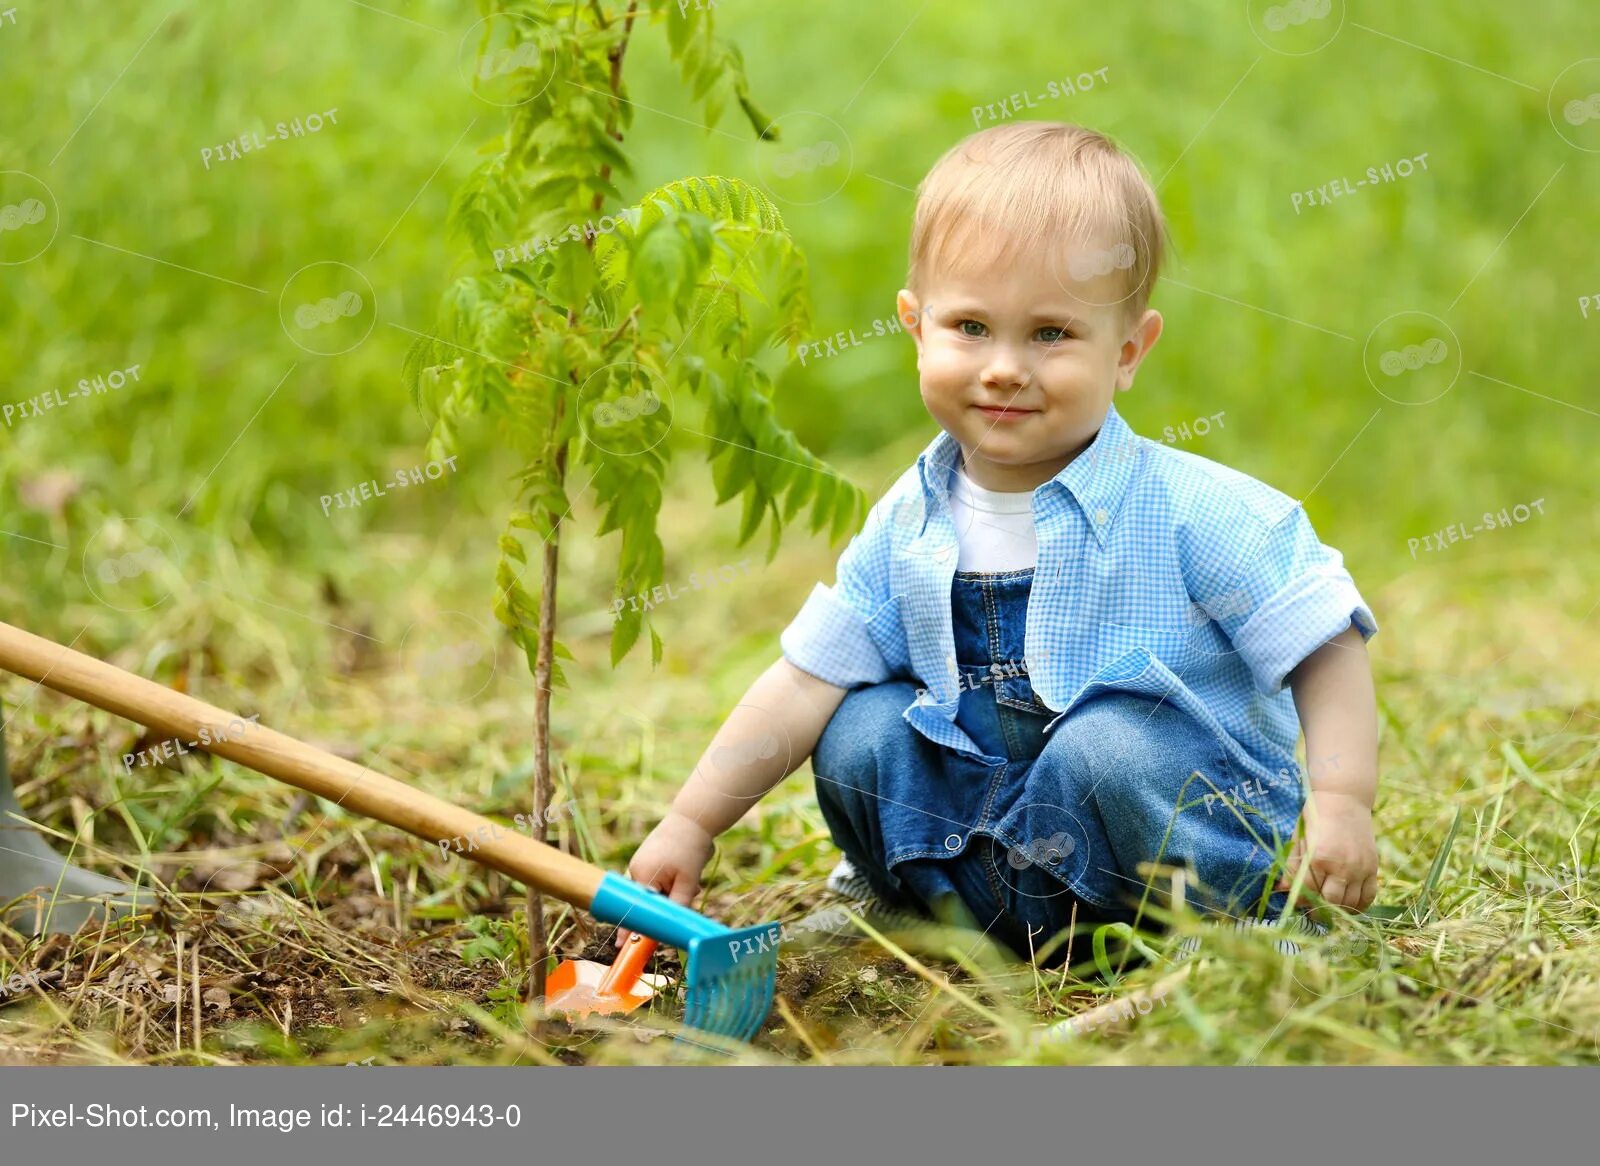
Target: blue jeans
x,y
1040,822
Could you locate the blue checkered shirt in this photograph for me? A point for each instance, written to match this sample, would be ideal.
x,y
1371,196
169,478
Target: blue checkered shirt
x,y
1159,572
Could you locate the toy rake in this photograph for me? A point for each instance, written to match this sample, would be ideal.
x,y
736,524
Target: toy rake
x,y
731,973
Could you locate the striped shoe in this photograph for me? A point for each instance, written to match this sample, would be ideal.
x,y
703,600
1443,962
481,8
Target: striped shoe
x,y
846,880
830,923
1301,924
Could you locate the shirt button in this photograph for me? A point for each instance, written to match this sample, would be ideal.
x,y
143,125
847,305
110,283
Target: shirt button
x,y
1100,516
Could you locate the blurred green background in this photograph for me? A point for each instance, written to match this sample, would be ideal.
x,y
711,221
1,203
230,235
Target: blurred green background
x,y
233,433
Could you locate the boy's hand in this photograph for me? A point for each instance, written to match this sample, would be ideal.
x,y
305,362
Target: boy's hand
x,y
670,859
1336,836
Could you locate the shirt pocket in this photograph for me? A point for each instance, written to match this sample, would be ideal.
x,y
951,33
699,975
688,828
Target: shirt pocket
x,y
1209,652
886,629
1174,645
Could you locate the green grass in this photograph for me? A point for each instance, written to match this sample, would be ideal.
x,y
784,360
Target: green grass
x,y
335,939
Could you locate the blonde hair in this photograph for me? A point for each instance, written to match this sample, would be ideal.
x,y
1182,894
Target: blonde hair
x,y
1017,188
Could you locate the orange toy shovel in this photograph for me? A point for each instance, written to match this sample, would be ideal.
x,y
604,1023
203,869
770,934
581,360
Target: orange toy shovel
x,y
582,987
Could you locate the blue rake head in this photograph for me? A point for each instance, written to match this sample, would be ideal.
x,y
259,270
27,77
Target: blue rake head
x,y
731,972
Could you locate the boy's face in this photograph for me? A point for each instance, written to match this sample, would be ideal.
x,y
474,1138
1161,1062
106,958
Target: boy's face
x,y
1019,363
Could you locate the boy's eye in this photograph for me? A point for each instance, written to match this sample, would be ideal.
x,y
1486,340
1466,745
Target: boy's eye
x,y
961,327
1052,335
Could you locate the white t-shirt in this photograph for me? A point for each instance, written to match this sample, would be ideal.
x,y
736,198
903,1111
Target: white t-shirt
x,y
994,530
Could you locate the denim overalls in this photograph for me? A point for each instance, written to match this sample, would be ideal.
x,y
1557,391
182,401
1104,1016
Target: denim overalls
x,y
1024,845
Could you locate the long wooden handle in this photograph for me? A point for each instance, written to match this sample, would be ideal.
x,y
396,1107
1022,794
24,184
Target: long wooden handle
x,y
306,767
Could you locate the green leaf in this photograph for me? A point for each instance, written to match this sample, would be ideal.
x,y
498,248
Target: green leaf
x,y
758,120
777,532
625,633
714,104
530,650
680,26
512,548
732,472
822,507
847,510
799,490
1128,935
572,276
1424,904
751,520
1385,913
664,270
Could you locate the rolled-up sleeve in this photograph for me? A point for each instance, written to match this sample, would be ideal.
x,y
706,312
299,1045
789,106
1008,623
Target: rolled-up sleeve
x,y
1291,597
829,637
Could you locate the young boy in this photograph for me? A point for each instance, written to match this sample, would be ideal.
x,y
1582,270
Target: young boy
x,y
1057,653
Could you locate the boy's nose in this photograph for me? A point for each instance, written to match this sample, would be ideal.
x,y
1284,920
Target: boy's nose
x,y
1005,371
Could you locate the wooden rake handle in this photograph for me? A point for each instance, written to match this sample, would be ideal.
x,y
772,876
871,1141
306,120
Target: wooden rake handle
x,y
355,787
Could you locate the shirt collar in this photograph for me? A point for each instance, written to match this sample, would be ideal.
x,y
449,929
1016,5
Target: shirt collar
x,y
1097,479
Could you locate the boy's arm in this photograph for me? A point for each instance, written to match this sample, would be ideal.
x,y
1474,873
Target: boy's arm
x,y
1338,710
1333,694
775,727
1292,611
827,649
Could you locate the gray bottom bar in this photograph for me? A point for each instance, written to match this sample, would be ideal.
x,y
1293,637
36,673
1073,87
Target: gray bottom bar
x,y
244,1116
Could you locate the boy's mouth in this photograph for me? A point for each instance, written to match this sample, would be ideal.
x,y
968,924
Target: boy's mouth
x,y
1000,413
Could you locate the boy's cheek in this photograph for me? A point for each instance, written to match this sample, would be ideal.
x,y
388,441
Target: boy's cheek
x,y
944,373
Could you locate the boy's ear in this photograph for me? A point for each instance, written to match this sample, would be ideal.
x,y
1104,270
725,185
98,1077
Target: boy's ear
x,y
1140,340
910,313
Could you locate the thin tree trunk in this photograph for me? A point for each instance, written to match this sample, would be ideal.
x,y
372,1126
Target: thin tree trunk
x,y
543,786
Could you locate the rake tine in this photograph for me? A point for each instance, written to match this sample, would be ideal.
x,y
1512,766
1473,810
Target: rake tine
x,y
731,973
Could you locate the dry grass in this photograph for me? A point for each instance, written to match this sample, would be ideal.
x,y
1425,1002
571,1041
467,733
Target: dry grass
x,y
286,931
